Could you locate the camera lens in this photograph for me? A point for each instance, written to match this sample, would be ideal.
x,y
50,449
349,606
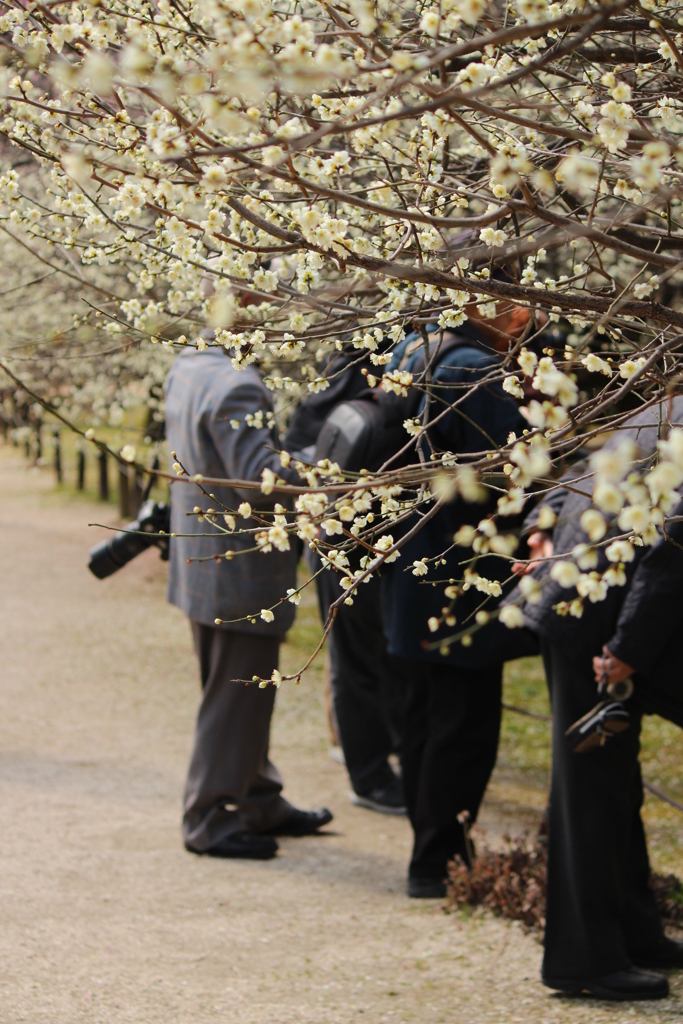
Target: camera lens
x,y
111,555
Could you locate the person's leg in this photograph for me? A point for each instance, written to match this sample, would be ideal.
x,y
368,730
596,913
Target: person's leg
x,y
357,669
231,783
597,859
415,733
452,761
641,920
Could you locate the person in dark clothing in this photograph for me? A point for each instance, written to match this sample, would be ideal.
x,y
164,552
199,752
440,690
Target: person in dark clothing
x,y
454,695
366,693
602,921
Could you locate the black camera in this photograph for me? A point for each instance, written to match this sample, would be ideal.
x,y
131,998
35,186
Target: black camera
x,y
154,518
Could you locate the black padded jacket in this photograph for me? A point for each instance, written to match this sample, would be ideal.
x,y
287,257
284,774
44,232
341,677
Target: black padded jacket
x,y
599,621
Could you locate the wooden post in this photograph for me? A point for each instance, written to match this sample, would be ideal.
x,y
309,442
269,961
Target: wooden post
x,y
104,476
124,492
57,445
81,469
136,488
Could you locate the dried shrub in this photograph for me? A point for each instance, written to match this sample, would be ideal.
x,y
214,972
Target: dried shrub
x,y
669,892
512,883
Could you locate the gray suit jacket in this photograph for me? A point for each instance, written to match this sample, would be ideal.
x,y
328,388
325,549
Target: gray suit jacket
x,y
203,394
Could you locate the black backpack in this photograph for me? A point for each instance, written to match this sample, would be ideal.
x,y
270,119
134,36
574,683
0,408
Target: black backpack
x,y
366,431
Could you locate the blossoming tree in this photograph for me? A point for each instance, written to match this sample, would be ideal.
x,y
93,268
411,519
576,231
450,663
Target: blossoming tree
x,y
347,173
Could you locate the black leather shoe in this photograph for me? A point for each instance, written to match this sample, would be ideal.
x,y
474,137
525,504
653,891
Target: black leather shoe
x,y
622,986
247,845
302,823
426,888
387,799
665,956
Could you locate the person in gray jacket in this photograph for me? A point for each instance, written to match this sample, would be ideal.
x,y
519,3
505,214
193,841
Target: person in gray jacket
x,y
233,804
603,928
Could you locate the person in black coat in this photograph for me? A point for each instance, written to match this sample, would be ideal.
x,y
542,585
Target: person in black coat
x,y
453,708
602,922
367,696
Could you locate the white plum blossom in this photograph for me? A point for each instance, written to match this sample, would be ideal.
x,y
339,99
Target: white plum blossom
x,y
383,544
528,361
612,464
546,518
663,480
595,364
513,387
592,585
565,573
607,497
672,447
620,551
551,381
530,589
511,616
631,366
307,194
636,518
593,523
493,237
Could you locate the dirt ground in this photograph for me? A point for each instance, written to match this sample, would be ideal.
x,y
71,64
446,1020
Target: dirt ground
x,y
105,918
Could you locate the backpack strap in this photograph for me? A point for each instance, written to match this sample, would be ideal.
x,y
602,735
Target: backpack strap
x,y
450,341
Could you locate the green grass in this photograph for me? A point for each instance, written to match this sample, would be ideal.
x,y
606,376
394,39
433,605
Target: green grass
x,y
70,444
525,742
301,715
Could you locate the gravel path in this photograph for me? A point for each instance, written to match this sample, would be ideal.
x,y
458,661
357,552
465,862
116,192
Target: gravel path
x,y
105,918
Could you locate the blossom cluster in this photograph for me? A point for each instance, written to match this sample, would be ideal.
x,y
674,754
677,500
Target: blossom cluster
x,y
287,180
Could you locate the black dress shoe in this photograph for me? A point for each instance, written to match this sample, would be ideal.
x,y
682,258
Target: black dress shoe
x,y
665,956
302,823
386,799
426,888
247,845
622,986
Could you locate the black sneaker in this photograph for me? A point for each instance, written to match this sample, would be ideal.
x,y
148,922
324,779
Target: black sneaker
x,y
426,888
387,799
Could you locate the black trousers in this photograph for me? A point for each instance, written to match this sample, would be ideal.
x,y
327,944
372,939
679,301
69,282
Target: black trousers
x,y
450,744
367,694
600,909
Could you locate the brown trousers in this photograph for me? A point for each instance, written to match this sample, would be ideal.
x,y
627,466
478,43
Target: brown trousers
x,y
232,784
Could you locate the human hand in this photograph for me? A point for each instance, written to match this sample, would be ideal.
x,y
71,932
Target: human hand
x,y
540,549
610,669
